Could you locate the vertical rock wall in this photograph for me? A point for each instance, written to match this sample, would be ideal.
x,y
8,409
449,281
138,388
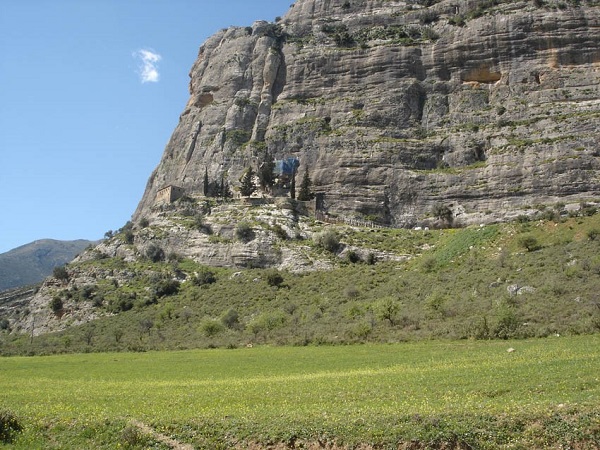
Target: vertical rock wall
x,y
395,107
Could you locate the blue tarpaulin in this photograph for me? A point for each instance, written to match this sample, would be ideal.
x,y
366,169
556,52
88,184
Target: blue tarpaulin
x,y
286,166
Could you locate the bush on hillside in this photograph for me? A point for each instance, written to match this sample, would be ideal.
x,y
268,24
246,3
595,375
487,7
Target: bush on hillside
x,y
529,243
388,309
273,277
508,324
244,232
211,327
56,305
164,288
204,277
280,232
353,257
231,318
328,241
60,273
593,234
154,253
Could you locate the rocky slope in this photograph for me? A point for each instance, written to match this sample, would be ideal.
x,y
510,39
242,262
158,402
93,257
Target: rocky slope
x,y
488,107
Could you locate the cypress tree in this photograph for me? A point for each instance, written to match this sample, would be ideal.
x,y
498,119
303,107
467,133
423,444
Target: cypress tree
x,y
206,183
293,185
265,172
248,187
305,193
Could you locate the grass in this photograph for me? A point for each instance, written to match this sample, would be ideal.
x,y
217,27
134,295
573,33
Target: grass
x,y
544,394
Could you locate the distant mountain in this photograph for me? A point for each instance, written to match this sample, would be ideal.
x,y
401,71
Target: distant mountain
x,y
31,263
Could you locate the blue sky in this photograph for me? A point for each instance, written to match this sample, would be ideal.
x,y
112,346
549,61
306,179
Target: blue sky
x,y
90,92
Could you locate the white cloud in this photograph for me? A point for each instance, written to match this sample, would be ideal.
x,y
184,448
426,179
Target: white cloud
x,y
148,65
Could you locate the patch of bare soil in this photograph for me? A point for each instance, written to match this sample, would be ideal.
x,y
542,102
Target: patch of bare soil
x,y
172,443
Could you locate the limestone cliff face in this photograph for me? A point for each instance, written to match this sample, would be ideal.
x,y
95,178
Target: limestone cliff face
x,y
486,106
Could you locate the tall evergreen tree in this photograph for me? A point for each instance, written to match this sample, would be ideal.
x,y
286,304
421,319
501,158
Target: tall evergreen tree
x,y
248,187
225,190
218,189
266,173
293,184
305,193
206,183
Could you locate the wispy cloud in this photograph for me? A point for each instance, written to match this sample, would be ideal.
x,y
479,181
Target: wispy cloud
x,y
147,65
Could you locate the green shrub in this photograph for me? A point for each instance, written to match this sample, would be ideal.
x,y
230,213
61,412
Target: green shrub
x,y
508,324
154,253
273,277
443,213
87,292
344,39
132,437
9,426
428,16
429,263
388,309
371,259
123,303
529,243
204,277
353,257
429,34
144,222
60,273
593,234
238,137
164,288
98,301
279,232
231,318
267,321
244,232
434,304
199,222
4,324
351,291
361,330
56,305
588,210
128,236
458,20
328,241
211,327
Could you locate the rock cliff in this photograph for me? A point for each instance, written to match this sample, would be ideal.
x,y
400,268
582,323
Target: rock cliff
x,y
404,113
488,107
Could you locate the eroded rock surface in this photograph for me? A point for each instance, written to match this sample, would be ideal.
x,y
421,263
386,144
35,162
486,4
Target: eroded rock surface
x,y
395,107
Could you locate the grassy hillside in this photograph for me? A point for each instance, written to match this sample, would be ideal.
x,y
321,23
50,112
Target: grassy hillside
x,y
31,263
518,280
435,395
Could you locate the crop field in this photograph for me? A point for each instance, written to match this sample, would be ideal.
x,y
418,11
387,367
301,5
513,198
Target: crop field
x,y
433,394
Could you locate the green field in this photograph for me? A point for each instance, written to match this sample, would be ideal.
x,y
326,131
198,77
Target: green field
x,y
465,394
